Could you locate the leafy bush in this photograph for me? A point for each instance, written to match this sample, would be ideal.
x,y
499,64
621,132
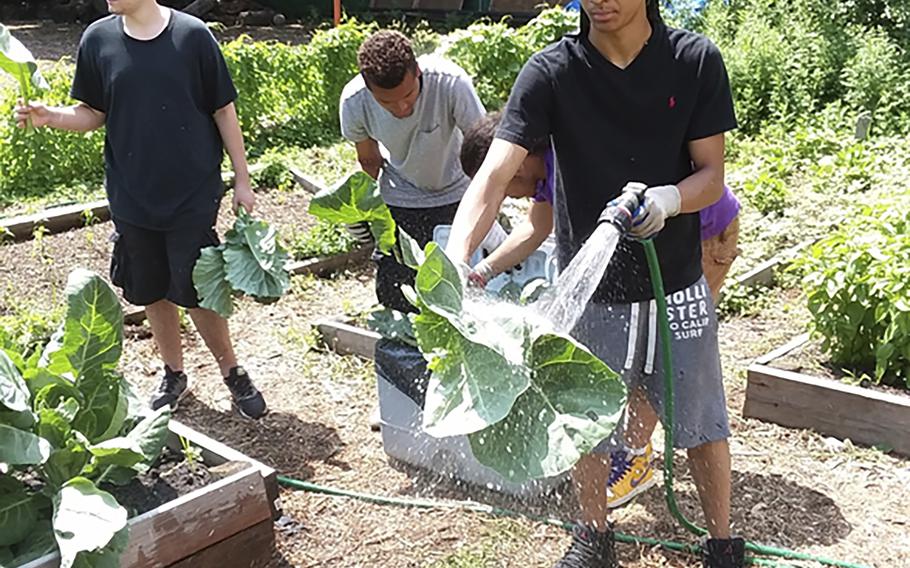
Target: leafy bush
x,y
69,423
37,160
321,240
876,80
858,289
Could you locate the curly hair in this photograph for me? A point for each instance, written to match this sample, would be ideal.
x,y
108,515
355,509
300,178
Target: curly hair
x,y
477,140
385,58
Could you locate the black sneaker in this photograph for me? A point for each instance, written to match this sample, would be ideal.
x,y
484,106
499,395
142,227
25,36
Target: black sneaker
x,y
246,397
170,390
724,553
590,549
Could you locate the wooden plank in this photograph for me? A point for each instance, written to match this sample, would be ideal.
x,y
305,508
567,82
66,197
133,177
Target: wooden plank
x,y
794,343
60,219
135,315
346,339
55,220
310,185
250,548
190,523
829,407
216,453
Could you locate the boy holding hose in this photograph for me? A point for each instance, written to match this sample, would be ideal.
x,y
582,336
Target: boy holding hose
x,y
649,104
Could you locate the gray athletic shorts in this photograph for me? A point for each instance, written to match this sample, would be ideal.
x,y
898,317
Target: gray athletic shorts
x,y
625,337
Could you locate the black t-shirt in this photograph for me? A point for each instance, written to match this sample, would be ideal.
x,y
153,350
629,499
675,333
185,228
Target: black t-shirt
x,y
610,126
163,151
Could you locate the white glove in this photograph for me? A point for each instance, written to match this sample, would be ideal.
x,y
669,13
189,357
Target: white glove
x,y
481,274
661,203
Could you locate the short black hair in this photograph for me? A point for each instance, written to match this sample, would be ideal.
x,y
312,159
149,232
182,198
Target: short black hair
x,y
385,58
477,142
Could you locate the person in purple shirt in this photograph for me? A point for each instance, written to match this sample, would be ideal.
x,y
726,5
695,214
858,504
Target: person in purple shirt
x,y
632,471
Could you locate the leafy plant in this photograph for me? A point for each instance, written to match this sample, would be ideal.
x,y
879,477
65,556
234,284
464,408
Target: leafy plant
x,y
70,421
531,401
323,239
251,261
19,62
857,288
354,200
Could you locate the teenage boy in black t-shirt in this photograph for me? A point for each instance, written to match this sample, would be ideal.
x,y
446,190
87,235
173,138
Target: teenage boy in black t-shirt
x,y
629,100
156,79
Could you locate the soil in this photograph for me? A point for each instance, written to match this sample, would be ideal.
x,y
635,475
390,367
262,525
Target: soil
x,y
811,359
171,476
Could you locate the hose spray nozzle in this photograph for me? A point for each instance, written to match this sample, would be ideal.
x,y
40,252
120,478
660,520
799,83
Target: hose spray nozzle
x,y
621,210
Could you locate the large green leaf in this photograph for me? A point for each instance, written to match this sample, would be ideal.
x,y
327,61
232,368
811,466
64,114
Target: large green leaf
x,y
260,238
411,254
86,519
471,386
574,402
39,542
210,280
67,462
98,413
18,447
245,274
14,393
21,420
107,557
354,200
392,324
93,330
54,426
19,62
17,512
150,435
118,452
438,283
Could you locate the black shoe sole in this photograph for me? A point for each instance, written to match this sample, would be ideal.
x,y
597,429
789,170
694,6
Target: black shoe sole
x,y
247,416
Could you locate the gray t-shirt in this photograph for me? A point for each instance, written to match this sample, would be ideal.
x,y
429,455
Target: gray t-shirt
x,y
421,152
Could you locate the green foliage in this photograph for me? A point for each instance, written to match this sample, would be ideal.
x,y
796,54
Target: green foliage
x,y
68,423
36,161
251,261
532,402
19,62
858,289
322,240
354,200
876,79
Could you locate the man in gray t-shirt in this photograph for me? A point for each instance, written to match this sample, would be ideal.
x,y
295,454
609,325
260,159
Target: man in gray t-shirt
x,y
406,117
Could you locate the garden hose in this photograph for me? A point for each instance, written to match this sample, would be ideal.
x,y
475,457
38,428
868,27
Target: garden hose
x,y
664,330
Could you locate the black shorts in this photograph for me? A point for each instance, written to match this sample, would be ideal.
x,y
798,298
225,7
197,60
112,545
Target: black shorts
x,y
158,265
390,276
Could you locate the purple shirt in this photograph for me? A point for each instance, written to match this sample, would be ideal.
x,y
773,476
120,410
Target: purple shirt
x,y
545,187
715,218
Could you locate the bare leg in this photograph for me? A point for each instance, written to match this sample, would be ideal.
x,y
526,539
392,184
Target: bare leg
x,y
165,323
214,331
710,465
640,420
590,475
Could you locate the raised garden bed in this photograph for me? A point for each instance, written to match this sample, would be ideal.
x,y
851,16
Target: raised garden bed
x,y
225,522
780,390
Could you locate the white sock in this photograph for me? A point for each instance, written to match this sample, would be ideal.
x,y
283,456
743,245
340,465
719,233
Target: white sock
x,y
636,451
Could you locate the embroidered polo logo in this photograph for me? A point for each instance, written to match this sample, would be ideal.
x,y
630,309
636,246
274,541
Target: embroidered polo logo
x,y
671,102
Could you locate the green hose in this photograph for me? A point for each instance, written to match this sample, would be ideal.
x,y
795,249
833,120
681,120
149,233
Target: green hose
x,y
661,299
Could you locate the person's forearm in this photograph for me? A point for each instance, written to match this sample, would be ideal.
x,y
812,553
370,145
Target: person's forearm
x,y
525,239
474,218
232,138
701,189
76,118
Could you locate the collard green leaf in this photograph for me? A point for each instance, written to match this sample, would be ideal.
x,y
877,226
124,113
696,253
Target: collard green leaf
x,y
67,462
14,393
17,512
107,557
471,386
54,427
21,420
86,519
392,324
438,283
18,447
39,542
100,399
262,240
353,200
19,62
210,280
245,275
93,329
150,435
411,254
574,402
117,452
